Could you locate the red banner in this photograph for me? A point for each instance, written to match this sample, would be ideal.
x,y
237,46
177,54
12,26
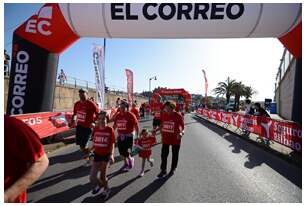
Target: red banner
x,y
285,133
129,76
46,124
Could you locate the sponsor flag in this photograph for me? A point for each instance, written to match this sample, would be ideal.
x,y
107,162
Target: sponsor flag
x,y
206,82
98,61
129,76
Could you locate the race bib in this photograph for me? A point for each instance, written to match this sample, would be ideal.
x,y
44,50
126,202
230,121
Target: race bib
x,y
157,114
168,127
81,116
121,124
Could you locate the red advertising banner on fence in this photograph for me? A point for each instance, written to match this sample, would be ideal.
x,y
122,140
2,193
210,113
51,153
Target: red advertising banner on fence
x,y
285,133
47,123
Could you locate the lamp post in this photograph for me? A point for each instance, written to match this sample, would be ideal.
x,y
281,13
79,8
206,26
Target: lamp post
x,y
152,78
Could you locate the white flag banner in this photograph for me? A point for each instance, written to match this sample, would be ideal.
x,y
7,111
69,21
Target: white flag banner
x,y
98,61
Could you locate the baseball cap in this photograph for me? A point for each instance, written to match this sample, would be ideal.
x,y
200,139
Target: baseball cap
x,y
83,90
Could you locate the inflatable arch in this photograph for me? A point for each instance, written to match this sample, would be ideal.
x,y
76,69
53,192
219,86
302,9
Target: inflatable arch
x,y
170,92
38,42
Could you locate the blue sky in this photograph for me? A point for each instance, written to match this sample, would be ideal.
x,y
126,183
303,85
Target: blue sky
x,y
177,63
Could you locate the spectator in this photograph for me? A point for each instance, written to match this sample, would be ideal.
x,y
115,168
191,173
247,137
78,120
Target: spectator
x,y
62,78
261,111
24,159
248,107
6,63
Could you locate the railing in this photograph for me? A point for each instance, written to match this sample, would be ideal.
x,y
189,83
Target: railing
x,y
286,60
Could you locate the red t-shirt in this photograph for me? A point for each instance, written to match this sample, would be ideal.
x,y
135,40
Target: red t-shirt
x,y
125,122
157,110
171,125
146,142
22,148
85,112
103,140
135,112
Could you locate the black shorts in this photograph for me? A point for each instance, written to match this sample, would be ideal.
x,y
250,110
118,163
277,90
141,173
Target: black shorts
x,y
101,158
125,142
82,135
156,122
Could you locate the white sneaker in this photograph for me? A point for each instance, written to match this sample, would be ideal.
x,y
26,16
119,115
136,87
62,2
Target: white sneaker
x,y
141,174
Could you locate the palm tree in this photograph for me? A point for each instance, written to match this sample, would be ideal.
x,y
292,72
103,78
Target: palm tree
x,y
238,91
225,88
249,91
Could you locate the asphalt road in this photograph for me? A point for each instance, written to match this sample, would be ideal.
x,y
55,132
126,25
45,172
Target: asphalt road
x,y
214,166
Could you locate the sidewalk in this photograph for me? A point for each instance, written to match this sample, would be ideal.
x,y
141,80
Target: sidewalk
x,y
271,146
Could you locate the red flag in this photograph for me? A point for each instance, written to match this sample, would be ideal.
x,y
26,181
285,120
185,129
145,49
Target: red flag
x,y
206,82
129,76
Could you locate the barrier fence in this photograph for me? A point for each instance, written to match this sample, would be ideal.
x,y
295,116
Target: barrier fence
x,y
46,124
286,133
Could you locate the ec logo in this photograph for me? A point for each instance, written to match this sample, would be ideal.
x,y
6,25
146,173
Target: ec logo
x,y
34,25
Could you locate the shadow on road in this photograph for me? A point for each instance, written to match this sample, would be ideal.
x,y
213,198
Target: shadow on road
x,y
114,191
255,157
146,192
68,195
54,179
70,157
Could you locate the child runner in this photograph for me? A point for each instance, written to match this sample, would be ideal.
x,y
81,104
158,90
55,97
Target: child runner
x,y
145,143
104,147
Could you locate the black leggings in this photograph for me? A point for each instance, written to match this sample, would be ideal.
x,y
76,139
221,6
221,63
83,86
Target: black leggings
x,y
164,156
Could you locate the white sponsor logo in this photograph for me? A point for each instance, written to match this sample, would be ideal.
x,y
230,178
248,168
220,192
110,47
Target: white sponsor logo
x,y
19,88
42,23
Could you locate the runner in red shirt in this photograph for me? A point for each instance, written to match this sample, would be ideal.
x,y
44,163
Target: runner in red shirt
x,y
24,159
172,130
157,110
84,115
126,123
145,143
104,147
135,111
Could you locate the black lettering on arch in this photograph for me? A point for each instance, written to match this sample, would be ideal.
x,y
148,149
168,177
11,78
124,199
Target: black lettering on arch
x,y
215,8
184,11
200,9
161,11
145,11
229,13
115,9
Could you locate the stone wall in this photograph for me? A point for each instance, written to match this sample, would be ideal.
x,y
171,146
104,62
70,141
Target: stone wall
x,y
65,96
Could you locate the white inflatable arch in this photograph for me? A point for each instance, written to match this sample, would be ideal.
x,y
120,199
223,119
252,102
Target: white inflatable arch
x,y
38,42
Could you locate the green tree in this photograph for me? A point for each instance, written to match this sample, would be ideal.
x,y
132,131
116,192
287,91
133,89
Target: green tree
x,y
238,90
249,92
225,88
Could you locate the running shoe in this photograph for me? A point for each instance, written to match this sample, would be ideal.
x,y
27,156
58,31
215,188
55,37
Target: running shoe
x,y
162,174
106,193
151,162
96,189
141,174
124,168
131,163
171,172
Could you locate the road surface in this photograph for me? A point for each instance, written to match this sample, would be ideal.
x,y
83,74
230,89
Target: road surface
x,y
214,166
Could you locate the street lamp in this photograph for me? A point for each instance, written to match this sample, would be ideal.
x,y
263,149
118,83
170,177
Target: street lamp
x,y
152,78
150,82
